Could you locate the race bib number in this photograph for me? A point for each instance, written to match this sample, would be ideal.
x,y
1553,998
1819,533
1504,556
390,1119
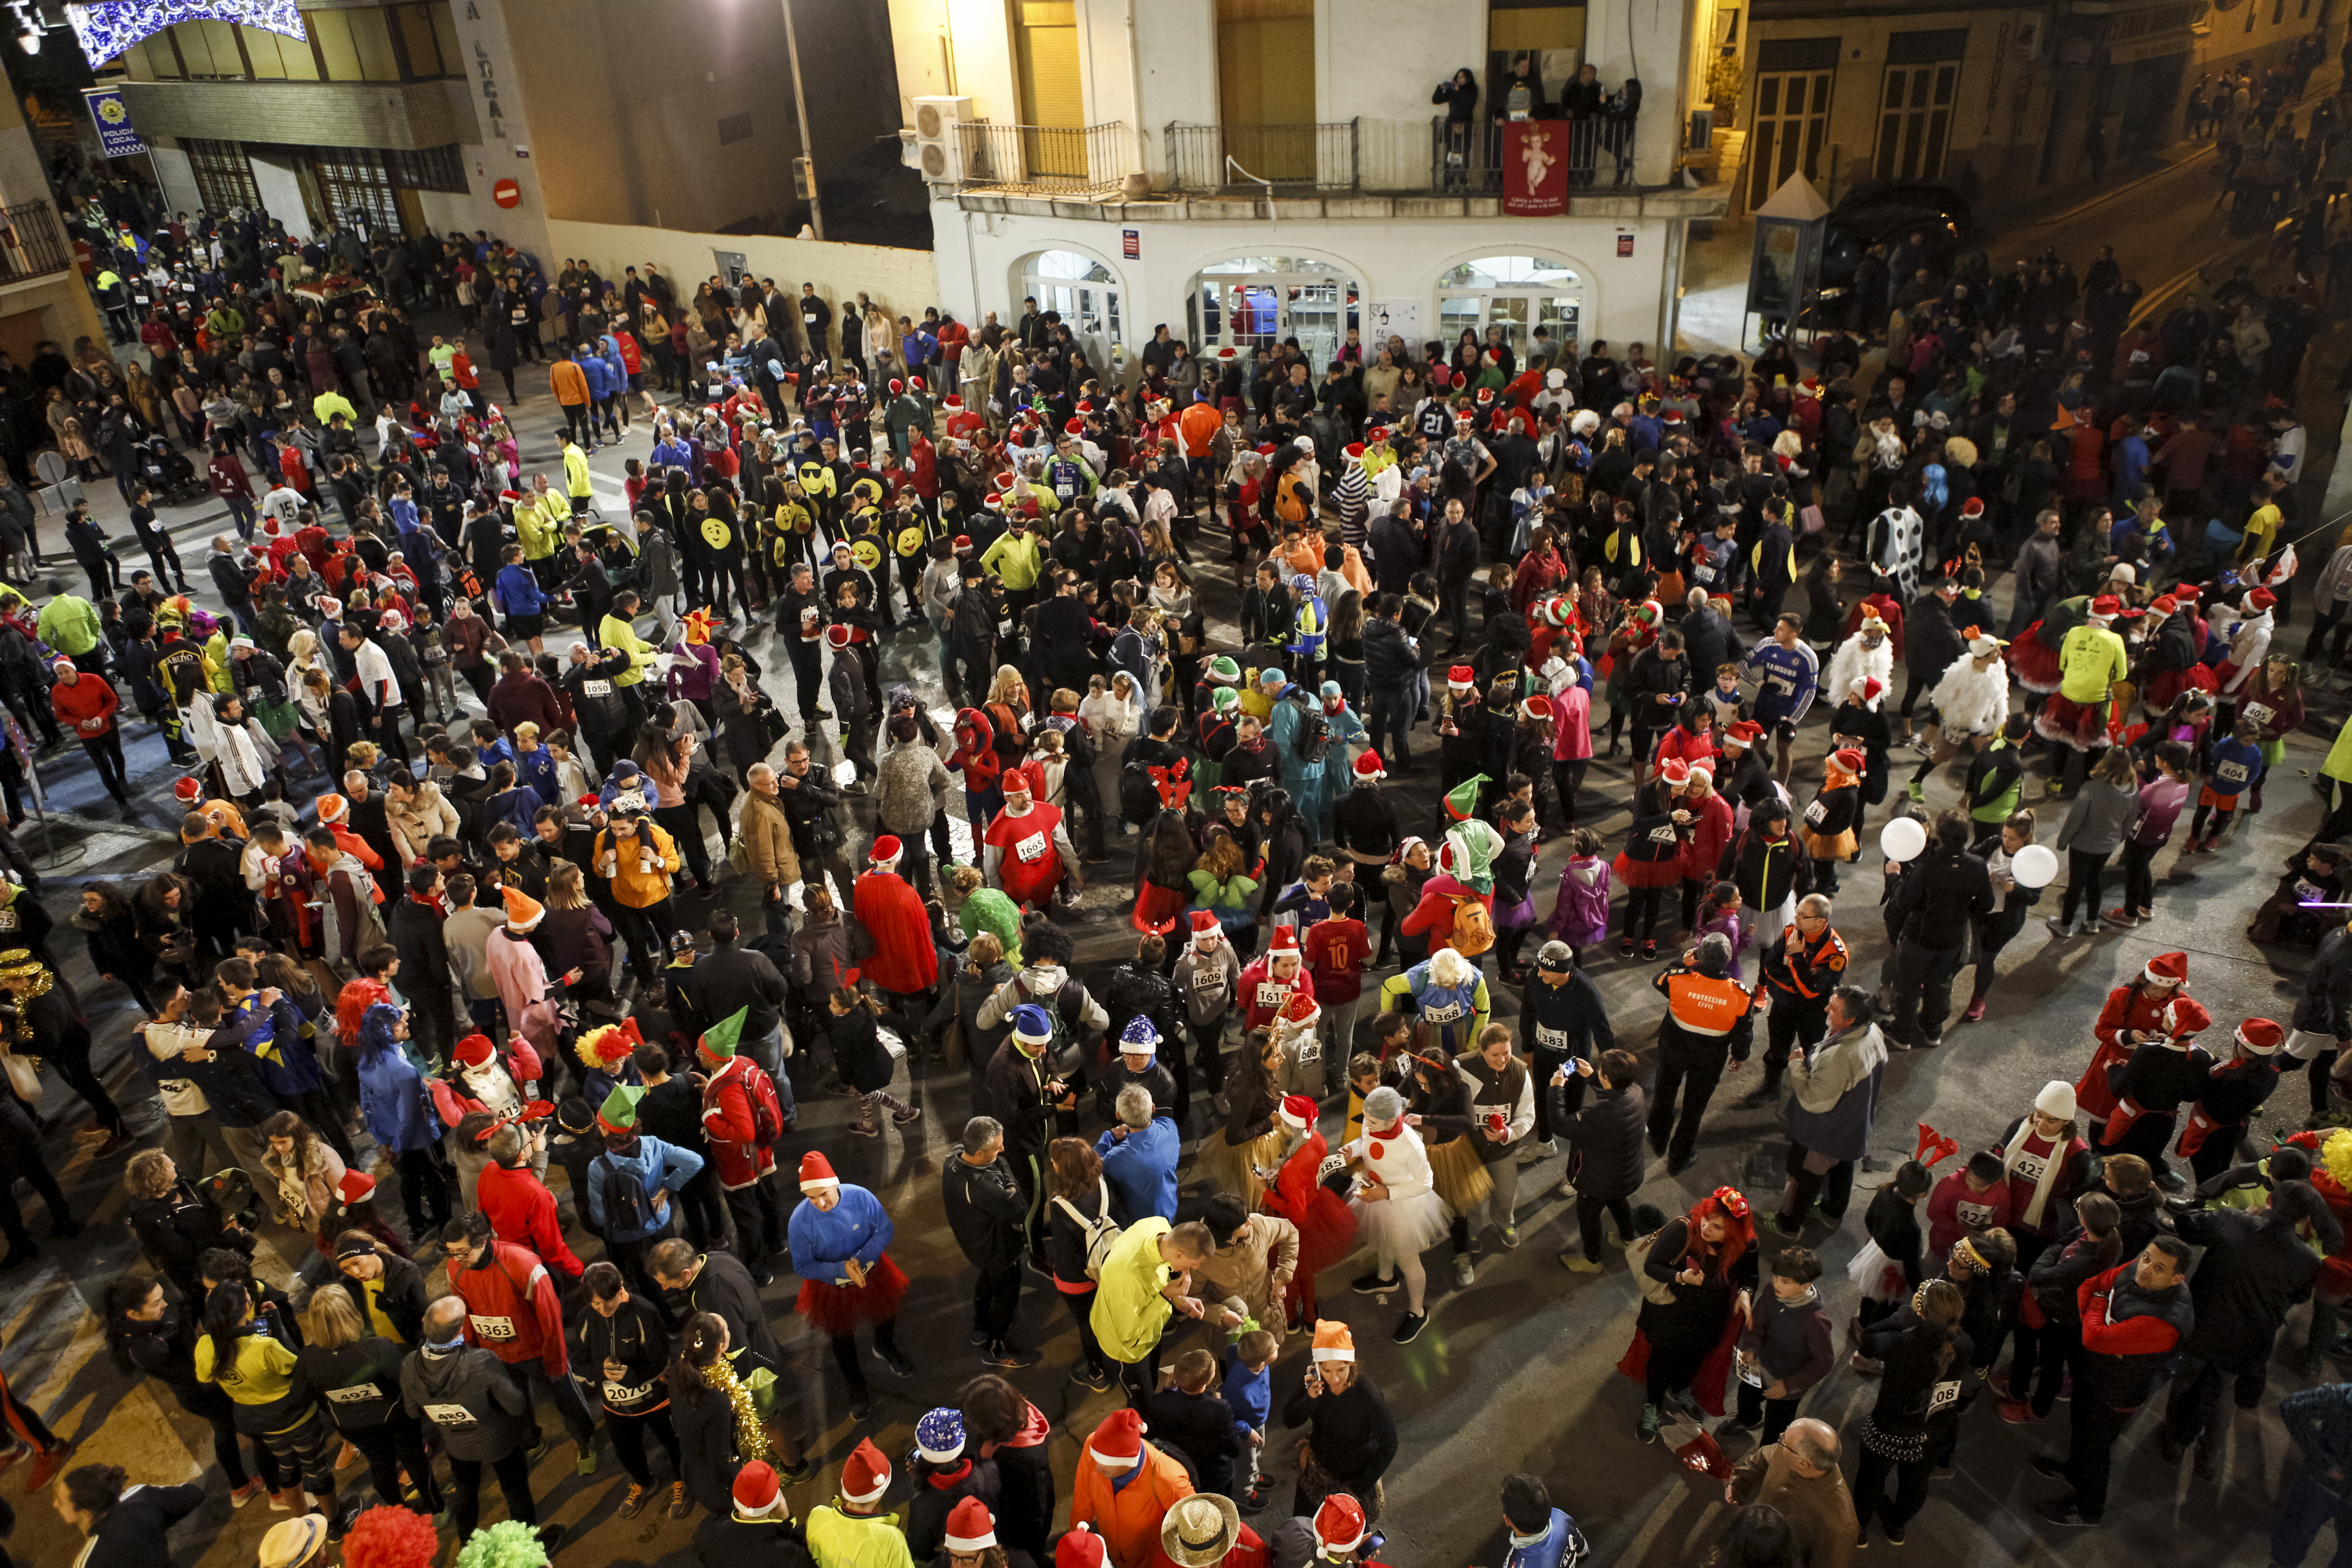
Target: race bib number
x,y
1947,1394
595,688
358,1393
453,1417
1551,1039
492,1328
1661,836
2231,773
1271,995
2259,712
2029,1168
1441,1013
2306,893
1307,1048
1031,849
1205,981
1976,1216
622,1394
1816,814
1705,574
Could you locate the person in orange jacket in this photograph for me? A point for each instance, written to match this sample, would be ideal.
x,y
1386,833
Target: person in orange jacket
x,y
569,384
513,1311
1124,1487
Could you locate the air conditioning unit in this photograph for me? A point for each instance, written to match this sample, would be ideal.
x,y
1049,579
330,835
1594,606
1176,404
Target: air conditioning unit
x,y
939,138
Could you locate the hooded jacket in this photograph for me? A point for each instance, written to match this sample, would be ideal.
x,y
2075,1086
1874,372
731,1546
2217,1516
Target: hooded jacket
x,y
479,1411
656,1167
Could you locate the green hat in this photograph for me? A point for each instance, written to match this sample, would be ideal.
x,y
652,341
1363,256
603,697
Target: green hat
x,y
1224,698
1225,668
1462,800
717,1041
619,1111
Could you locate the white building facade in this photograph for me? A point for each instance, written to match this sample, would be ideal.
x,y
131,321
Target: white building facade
x,y
1247,171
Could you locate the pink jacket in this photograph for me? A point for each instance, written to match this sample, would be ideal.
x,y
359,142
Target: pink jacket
x,y
1571,725
1582,916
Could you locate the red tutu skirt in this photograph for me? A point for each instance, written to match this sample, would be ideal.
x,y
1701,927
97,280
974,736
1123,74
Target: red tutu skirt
x,y
1635,873
2033,663
1158,909
2171,683
834,1311
2067,722
1327,1232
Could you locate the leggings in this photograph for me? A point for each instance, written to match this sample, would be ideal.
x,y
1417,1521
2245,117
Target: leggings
x,y
1567,778
423,1192
2220,821
1642,907
1081,1304
1910,1488
844,1350
2139,877
2083,871
1416,1279
395,1446
1673,1365
1589,1211
306,1449
628,1433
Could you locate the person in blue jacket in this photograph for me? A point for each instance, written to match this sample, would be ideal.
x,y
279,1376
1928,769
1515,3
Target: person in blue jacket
x,y
658,1170
1139,1159
519,599
837,1234
395,1108
1541,1535
602,384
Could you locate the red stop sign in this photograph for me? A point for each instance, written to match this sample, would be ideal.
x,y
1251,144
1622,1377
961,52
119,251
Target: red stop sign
x,y
507,193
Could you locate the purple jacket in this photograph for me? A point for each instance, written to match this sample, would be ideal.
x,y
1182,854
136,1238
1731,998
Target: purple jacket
x,y
1582,916
696,671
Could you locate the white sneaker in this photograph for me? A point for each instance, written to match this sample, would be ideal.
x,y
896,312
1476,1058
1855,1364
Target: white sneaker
x,y
1567,1188
1465,1272
1531,1151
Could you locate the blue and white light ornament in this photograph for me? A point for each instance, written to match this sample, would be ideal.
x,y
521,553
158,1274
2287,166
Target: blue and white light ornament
x,y
109,28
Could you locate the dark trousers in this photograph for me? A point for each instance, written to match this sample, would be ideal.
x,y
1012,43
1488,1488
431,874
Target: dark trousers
x,y
2095,1426
2196,1397
106,755
759,1218
995,1301
1139,1379
73,1065
424,1194
1589,1211
1567,779
395,1446
1787,1028
1081,1304
1922,989
1547,1062
1209,1052
578,422
2084,873
1833,1187
220,1414
2057,1350
432,1019
702,1206
1695,1080
466,1491
563,1393
844,1350
2139,877
1776,1414
1390,722
2311,1502
684,824
629,1442
1910,1488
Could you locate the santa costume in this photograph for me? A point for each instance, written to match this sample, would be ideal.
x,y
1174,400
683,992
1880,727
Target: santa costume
x,y
1327,1226
1272,978
1028,846
904,959
2134,1012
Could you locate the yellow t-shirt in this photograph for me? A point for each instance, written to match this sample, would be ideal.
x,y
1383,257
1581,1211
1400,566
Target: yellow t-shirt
x,y
2261,529
262,1373
372,1291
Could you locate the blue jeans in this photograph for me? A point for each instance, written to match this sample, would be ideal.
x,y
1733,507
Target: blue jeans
x,y
2306,1505
768,1051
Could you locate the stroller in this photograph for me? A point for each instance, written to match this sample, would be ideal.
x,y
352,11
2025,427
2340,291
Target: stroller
x,y
171,476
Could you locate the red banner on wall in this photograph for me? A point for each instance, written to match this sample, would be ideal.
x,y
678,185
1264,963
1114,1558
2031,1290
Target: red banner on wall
x,y
1535,168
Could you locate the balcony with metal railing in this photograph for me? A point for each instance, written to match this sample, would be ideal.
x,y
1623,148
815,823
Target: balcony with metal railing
x,y
33,243
1251,158
1467,160
1071,159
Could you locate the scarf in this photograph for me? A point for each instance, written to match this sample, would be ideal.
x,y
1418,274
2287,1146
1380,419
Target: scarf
x,y
2043,1183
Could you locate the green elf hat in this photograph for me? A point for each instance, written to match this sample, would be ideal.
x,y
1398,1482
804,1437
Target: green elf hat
x,y
1462,800
1224,699
717,1042
1224,668
619,1111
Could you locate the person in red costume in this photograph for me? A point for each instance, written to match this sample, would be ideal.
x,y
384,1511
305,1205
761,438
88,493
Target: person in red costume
x,y
1029,848
513,1311
1327,1226
2134,1014
521,1210
1272,978
1465,871
905,960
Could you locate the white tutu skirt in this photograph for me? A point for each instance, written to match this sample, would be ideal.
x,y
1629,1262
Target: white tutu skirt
x,y
1402,1227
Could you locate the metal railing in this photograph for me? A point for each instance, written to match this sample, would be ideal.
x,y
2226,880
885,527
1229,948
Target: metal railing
x,y
1327,156
1048,157
1468,159
33,243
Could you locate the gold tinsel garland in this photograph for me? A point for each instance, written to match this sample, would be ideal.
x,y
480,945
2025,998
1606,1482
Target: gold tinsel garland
x,y
750,1433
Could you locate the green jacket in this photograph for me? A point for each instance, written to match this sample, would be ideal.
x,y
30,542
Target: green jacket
x,y
1130,1312
70,625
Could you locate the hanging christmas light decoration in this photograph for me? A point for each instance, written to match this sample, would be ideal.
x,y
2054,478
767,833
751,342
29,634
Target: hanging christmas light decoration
x,y
106,28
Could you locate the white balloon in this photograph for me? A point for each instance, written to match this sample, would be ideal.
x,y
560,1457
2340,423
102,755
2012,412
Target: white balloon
x,y
2033,867
1902,838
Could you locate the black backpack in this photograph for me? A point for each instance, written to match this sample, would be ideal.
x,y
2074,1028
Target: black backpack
x,y
1312,737
1138,795
625,1208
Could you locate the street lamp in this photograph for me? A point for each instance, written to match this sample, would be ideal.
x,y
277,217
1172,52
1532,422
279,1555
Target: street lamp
x,y
805,166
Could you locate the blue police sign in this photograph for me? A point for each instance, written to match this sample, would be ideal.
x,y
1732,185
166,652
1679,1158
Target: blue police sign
x,y
116,138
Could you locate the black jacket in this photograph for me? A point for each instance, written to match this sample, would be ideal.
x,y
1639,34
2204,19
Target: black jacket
x,y
733,978
2252,1271
985,1211
2326,1005
403,1299
415,932
1353,1436
1566,1020
1201,1428
1606,1138
1365,820
136,1531
722,1540
1388,661
1944,894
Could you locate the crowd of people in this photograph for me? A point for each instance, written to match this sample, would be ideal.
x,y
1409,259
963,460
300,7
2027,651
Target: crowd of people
x,y
505,965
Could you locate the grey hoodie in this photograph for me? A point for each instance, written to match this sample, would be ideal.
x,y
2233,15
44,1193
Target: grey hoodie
x,y
469,1398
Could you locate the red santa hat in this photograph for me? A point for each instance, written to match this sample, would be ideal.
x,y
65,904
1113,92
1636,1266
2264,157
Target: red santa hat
x,y
357,1187
1117,1445
2261,599
1333,1340
1074,425
1972,506
333,808
2105,608
1461,677
816,1173
885,851
1206,932
971,1527
1338,1525
1536,707
865,1476
1296,1109
2260,1035
2166,969
1872,689
2185,1016
836,636
1675,772
474,1050
1354,451
1080,1547
1368,768
1848,760
1285,940
189,790
756,1491
1743,735
896,386
1301,1008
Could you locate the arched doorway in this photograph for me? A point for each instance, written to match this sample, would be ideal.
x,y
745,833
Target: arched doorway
x,y
1516,293
1252,302
1086,293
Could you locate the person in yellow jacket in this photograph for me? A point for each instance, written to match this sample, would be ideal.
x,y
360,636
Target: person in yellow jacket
x,y
538,519
1145,1280
1017,559
618,630
642,861
246,1360
576,483
217,674
850,1532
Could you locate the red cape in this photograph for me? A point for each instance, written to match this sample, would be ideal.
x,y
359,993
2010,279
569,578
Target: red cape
x,y
905,958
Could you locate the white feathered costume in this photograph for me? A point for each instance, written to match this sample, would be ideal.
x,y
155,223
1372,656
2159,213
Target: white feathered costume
x,y
1969,700
1852,662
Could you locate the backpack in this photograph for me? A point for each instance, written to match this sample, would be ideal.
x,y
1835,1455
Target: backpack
x,y
1312,739
1474,927
1139,796
625,1208
1062,1051
1102,1233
